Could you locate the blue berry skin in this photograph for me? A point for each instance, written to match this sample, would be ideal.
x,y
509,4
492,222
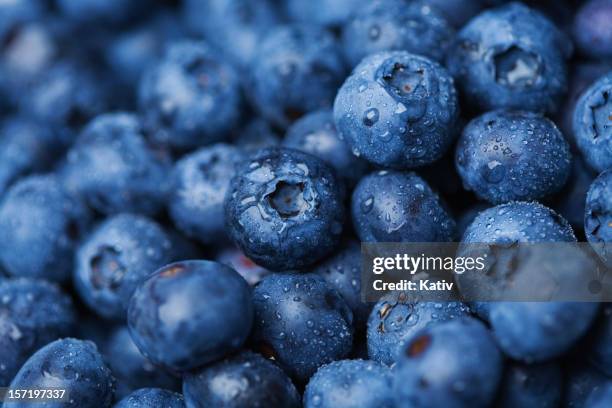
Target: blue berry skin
x,y
512,155
249,270
570,201
316,134
342,272
111,262
40,226
26,146
190,313
244,380
131,368
456,12
391,206
598,216
70,364
527,386
394,322
32,313
600,398
326,12
582,381
301,322
452,364
190,98
297,69
257,134
100,11
152,397
114,170
592,31
510,57
284,209
592,124
200,181
600,352
397,110
348,383
393,25
241,23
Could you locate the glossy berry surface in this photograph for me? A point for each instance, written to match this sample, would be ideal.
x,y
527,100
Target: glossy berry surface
x,y
391,206
341,383
284,208
598,216
397,110
510,57
246,379
525,386
152,397
70,364
191,97
302,322
504,156
190,313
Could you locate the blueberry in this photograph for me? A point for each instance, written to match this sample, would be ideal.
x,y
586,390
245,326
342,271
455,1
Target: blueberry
x,y
598,216
244,380
301,322
592,31
526,386
510,57
593,124
316,134
600,398
326,12
130,367
32,313
284,209
504,156
200,182
114,169
296,69
100,11
342,272
390,25
190,313
451,364
343,384
120,253
152,397
26,146
397,110
72,365
600,350
390,206
40,225
191,97
395,320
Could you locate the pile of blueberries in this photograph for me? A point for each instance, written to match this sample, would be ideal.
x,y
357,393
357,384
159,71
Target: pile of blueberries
x,y
184,185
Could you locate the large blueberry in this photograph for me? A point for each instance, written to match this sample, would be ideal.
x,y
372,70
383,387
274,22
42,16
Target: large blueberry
x,y
40,226
598,216
350,383
395,320
190,313
533,385
297,69
191,97
510,155
115,258
200,181
152,397
244,380
397,110
510,57
451,364
302,322
114,169
343,273
593,124
390,206
72,365
390,25
32,313
284,208
131,369
592,31
316,134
